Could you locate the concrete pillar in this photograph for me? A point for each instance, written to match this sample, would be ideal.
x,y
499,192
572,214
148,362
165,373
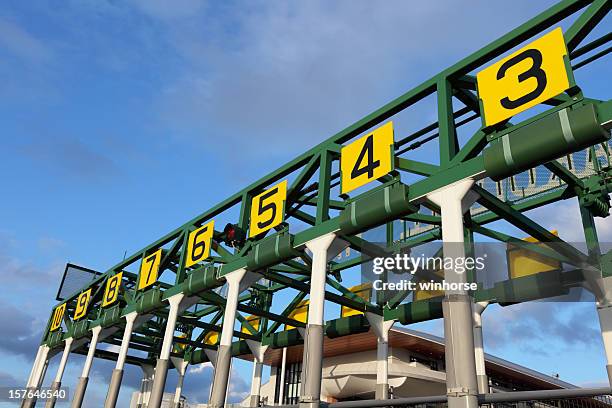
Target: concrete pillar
x,y
117,376
481,373
281,394
57,382
381,329
161,368
36,375
224,352
79,392
146,384
310,392
259,352
181,368
605,322
462,387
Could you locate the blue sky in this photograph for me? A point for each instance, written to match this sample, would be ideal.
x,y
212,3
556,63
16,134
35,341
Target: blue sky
x,y
123,119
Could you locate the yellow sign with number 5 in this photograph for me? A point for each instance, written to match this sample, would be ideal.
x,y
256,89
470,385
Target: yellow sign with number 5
x,y
198,244
58,316
531,75
82,303
111,292
367,158
268,209
149,269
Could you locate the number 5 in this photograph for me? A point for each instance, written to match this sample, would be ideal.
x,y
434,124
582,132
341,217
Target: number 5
x,y
268,209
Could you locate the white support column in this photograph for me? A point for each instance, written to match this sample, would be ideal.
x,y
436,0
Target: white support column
x,y
281,395
461,383
259,352
381,328
36,375
117,376
605,321
147,382
79,393
57,382
161,368
481,372
224,352
181,368
310,392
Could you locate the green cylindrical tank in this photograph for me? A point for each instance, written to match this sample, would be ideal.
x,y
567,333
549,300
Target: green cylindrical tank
x,y
198,356
54,338
286,338
149,300
537,286
420,311
272,250
201,279
110,316
568,130
347,325
375,208
239,348
80,328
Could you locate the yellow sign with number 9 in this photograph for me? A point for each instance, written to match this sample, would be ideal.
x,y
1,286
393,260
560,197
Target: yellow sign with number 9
x,y
111,292
58,316
367,158
82,303
149,268
268,209
531,75
198,244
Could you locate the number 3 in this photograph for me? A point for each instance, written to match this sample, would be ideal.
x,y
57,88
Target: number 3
x,y
534,72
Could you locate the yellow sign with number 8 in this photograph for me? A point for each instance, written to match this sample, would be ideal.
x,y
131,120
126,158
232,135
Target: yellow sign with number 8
x,y
532,75
111,292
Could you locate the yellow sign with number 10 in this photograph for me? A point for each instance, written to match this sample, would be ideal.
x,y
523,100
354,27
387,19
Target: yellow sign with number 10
x,y
111,292
82,303
149,268
367,158
532,75
58,316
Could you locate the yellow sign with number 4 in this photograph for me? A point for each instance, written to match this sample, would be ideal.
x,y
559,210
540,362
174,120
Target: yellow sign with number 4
x,y
149,269
198,244
268,209
531,75
82,303
367,158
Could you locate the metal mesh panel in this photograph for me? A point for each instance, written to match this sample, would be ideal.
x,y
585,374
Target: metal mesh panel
x,y
75,277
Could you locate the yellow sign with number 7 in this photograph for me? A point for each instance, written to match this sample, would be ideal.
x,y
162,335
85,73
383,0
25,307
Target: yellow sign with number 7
x,y
149,268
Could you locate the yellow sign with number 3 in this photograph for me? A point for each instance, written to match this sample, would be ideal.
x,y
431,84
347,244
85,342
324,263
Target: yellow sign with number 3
x,y
149,269
111,292
268,209
58,316
531,75
198,244
82,303
367,158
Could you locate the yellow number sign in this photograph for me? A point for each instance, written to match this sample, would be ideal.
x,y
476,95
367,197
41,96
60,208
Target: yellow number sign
x,y
529,76
82,302
198,244
268,209
149,268
58,316
367,158
111,292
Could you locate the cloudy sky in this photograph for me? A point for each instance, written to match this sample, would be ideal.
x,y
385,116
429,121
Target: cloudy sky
x,y
123,119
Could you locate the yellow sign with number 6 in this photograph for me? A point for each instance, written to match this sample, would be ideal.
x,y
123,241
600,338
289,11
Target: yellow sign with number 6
x,y
198,244
149,269
268,209
532,75
82,303
367,158
111,292
58,316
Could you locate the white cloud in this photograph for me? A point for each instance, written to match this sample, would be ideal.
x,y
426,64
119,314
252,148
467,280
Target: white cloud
x,y
22,43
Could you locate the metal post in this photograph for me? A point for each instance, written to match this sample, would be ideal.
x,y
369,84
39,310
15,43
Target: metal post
x,y
161,368
79,392
481,373
605,321
224,352
259,352
310,393
461,383
181,368
57,383
36,376
381,328
117,376
147,380
281,394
